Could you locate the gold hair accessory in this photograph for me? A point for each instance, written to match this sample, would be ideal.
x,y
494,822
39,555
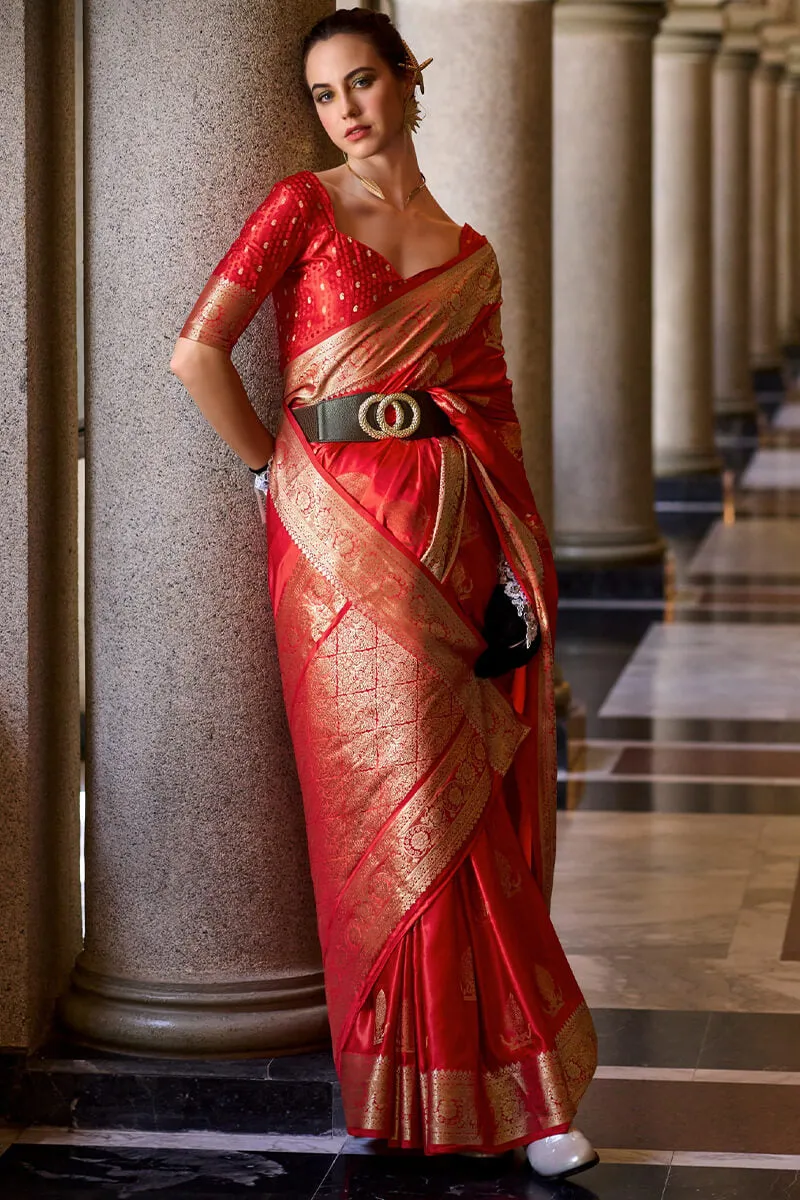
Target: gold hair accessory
x,y
417,68
412,117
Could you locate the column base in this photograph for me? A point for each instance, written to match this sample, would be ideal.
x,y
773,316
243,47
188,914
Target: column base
x,y
605,550
735,406
679,464
258,1017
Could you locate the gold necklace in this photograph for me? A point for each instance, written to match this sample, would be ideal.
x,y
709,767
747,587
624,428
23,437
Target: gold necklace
x,y
375,189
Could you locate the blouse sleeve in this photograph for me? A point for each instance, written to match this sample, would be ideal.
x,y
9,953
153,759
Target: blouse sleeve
x,y
270,241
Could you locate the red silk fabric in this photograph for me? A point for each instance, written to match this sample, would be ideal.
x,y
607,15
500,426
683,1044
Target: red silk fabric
x,y
429,794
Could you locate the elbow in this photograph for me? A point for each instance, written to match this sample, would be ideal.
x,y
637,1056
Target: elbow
x,y
179,362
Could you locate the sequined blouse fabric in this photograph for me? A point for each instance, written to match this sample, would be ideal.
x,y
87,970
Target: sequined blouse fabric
x,y
320,280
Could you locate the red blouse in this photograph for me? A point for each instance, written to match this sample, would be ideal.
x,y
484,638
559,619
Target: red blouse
x,y
321,280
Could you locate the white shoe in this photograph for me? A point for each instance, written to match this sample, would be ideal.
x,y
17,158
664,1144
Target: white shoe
x,y
562,1154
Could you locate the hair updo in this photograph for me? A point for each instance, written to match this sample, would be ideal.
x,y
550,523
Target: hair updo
x,y
375,27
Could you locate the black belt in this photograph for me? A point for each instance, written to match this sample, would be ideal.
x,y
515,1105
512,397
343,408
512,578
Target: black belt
x,y
361,417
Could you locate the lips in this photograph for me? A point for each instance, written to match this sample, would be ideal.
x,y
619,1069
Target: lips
x,y
356,132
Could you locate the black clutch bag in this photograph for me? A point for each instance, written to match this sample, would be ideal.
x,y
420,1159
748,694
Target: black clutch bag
x,y
508,636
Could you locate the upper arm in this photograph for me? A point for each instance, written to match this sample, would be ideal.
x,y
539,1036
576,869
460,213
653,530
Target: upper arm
x,y
269,242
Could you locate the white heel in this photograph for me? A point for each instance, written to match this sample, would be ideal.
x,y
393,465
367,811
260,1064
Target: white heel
x,y
561,1155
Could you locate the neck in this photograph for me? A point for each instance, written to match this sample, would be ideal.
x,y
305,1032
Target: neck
x,y
395,169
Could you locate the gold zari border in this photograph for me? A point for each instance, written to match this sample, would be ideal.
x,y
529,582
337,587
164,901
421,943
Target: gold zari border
x,y
528,567
519,1101
446,537
221,313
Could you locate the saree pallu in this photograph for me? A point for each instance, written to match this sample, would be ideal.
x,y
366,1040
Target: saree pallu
x,y
429,794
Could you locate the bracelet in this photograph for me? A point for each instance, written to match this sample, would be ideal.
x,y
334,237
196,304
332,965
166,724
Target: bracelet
x,y
261,477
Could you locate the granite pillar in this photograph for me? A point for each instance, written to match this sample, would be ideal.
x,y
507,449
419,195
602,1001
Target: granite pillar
x,y
793,67
40,927
788,234
765,355
683,409
498,176
200,928
733,68
603,69
496,173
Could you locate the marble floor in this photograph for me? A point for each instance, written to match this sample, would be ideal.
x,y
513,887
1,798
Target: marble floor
x,y
677,899
773,470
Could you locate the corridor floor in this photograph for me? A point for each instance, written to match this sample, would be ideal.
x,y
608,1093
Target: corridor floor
x,y
677,898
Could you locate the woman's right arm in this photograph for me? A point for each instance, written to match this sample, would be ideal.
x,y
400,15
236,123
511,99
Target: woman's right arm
x,y
214,384
270,242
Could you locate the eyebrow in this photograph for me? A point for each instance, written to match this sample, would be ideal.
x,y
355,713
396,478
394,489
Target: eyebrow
x,y
349,75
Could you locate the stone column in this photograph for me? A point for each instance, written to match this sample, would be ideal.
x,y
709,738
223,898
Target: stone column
x,y
200,927
793,67
733,68
683,409
788,234
489,163
602,282
765,355
40,921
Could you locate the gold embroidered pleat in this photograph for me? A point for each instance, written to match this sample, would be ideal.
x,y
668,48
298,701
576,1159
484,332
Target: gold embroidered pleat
x,y
537,1092
442,549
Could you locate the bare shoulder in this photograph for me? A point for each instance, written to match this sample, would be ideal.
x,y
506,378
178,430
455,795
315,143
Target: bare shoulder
x,y
433,211
331,178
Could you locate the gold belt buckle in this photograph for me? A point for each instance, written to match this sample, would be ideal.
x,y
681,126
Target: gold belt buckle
x,y
381,428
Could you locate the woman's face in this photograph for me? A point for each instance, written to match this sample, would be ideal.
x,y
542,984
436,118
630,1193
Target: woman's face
x,y
359,99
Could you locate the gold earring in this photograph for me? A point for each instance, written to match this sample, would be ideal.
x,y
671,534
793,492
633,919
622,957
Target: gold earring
x,y
412,114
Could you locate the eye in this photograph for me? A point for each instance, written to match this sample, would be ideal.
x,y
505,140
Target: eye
x,y
323,97
364,80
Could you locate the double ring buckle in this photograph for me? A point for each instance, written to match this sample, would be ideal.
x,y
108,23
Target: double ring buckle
x,y
382,428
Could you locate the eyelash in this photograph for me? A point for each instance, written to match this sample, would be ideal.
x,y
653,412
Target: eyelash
x,y
365,79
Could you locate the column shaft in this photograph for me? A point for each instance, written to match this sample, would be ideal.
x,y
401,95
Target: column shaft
x,y
39,724
497,174
602,282
764,342
683,411
201,934
733,389
788,239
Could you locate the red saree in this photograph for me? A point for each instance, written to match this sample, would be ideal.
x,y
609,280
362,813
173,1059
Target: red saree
x,y
429,793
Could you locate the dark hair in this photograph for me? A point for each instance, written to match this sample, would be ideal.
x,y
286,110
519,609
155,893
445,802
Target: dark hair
x,y
364,22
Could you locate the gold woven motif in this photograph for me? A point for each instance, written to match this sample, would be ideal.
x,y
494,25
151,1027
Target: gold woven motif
x,y
358,358
518,1032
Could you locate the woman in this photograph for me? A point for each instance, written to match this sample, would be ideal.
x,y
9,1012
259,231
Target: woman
x,y
414,598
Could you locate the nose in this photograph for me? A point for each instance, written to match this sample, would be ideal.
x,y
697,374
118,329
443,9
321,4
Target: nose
x,y
349,106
